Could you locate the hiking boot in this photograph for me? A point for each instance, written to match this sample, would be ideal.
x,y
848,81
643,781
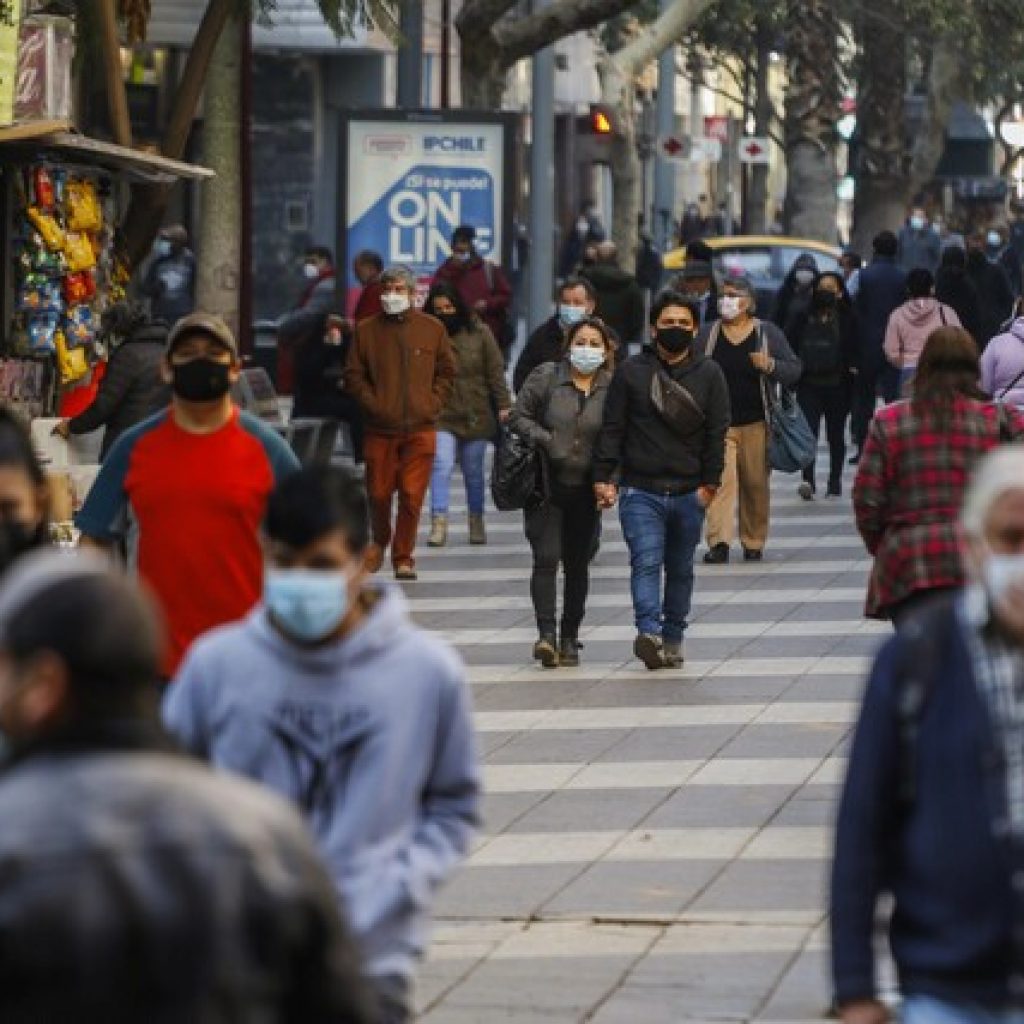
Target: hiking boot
x,y
544,650
806,490
650,650
717,554
477,533
752,554
405,571
569,652
438,531
673,655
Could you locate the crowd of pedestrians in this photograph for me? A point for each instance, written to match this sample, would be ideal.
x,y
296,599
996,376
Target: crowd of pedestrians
x,y
270,648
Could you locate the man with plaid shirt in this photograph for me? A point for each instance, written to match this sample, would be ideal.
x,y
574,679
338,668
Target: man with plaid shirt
x,y
933,808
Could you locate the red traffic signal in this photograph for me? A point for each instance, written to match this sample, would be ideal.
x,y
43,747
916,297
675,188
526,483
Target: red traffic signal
x,y
601,120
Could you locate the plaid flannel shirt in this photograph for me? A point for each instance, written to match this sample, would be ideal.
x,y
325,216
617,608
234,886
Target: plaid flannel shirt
x,y
908,492
999,672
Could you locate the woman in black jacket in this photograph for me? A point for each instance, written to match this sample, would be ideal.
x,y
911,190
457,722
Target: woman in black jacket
x,y
825,339
132,389
954,288
561,409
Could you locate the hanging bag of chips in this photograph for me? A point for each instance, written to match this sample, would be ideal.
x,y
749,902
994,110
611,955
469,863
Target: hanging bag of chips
x,y
79,251
47,226
72,363
82,206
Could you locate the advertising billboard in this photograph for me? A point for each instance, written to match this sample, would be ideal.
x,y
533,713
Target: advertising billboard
x,y
409,179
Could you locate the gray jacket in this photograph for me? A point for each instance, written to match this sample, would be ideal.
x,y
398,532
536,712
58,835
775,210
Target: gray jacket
x,y
132,389
788,367
550,412
141,886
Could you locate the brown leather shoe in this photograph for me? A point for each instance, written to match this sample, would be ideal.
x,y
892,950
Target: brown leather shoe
x,y
405,571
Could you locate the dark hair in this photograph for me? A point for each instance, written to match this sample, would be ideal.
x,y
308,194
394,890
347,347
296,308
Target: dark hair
x,y
321,252
578,282
123,319
673,298
920,283
370,258
885,244
699,250
16,448
854,259
948,368
106,633
954,256
464,233
315,501
608,336
835,275
442,289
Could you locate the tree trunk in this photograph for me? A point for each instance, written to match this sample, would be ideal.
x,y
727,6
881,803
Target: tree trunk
x,y
219,269
813,98
482,76
117,96
757,196
149,202
945,82
883,189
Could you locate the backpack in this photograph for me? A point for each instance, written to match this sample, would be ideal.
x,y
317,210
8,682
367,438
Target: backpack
x,y
821,348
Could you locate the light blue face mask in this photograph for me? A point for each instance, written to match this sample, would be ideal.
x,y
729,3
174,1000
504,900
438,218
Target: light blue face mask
x,y
586,360
570,315
163,247
308,605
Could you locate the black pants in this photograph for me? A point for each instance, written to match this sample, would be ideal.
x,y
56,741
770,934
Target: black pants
x,y
906,609
564,530
830,402
872,383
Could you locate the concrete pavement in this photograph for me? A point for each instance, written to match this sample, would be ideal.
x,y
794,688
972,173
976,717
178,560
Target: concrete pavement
x,y
656,844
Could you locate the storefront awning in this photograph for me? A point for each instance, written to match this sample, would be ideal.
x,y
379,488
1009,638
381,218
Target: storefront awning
x,y
36,140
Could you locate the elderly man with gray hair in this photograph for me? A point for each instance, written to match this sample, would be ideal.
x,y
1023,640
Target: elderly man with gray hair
x,y
755,358
933,809
401,370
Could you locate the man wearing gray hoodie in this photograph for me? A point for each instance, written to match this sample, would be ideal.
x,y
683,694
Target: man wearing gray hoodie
x,y
330,696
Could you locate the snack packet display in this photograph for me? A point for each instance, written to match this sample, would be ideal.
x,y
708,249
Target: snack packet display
x,y
42,332
47,226
40,294
79,251
80,287
82,206
80,326
72,363
42,188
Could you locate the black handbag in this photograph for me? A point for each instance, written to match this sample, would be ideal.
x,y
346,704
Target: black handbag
x,y
517,476
674,404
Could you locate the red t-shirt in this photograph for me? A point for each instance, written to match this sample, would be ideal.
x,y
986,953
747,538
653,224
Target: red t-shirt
x,y
191,505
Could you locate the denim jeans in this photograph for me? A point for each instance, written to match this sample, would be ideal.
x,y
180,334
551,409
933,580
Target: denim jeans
x,y
928,1010
470,455
662,533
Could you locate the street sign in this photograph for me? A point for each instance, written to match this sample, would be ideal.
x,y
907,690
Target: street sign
x,y
717,127
754,150
705,150
672,147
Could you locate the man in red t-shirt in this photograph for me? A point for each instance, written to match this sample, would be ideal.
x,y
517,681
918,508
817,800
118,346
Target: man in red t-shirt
x,y
188,488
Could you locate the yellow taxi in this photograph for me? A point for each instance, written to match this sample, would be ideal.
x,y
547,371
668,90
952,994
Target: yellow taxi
x,y
765,259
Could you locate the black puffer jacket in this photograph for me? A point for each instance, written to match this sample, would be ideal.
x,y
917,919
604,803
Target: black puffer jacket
x,y
132,389
646,452
130,895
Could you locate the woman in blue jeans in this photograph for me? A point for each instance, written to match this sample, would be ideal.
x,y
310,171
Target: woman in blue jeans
x,y
467,423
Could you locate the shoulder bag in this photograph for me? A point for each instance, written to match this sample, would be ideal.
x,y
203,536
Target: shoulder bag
x,y
519,474
792,445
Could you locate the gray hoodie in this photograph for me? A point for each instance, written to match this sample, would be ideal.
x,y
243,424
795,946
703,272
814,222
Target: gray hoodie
x,y
371,737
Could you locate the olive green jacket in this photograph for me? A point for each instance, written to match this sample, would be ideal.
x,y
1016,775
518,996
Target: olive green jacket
x,y
480,387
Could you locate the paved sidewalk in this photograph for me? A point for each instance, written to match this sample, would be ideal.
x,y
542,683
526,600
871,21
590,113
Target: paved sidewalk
x,y
656,844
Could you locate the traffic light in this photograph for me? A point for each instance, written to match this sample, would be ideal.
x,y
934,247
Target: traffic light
x,y
601,120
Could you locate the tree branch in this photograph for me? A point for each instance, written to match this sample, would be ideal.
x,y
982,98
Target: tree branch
x,y
658,36
482,15
521,37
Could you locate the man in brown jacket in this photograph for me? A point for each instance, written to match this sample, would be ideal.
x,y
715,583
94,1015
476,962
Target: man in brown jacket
x,y
401,370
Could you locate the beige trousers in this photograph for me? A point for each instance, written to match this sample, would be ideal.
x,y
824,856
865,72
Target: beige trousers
x,y
745,481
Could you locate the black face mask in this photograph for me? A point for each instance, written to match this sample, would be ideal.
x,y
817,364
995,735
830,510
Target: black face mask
x,y
201,380
16,539
825,300
674,339
453,323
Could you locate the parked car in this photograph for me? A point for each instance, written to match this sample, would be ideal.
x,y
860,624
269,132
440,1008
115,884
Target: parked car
x,y
765,259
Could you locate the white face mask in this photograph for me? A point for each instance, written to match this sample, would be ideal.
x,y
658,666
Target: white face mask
x,y
1003,572
918,223
311,270
730,306
395,303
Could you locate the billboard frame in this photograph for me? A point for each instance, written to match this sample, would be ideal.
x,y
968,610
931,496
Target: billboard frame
x,y
509,121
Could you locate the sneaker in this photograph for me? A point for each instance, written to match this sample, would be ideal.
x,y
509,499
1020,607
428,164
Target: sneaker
x,y
650,650
544,651
569,652
405,571
752,555
806,491
717,554
673,655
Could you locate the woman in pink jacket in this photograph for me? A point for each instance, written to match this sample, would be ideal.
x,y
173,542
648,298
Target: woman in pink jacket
x,y
912,323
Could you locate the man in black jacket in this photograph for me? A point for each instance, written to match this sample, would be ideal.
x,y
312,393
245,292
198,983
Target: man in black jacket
x,y
576,300
663,439
129,893
620,300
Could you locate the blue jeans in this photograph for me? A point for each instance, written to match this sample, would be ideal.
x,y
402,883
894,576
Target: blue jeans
x,y
470,455
662,533
928,1010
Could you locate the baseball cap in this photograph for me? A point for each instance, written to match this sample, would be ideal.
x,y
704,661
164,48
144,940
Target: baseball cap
x,y
203,323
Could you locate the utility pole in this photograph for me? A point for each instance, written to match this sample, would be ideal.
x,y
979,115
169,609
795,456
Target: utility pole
x,y
664,169
542,185
410,56
446,53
